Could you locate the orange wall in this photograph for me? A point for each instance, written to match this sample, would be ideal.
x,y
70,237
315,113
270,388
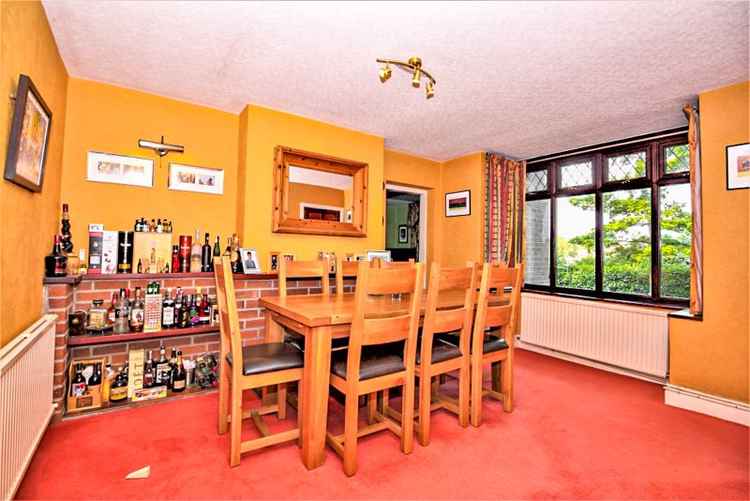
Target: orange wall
x,y
28,219
264,130
462,235
712,355
111,119
308,193
417,172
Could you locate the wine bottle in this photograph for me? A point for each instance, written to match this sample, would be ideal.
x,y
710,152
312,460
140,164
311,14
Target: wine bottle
x,y
148,372
55,264
137,312
204,310
179,379
195,254
162,367
167,311
217,249
194,314
206,256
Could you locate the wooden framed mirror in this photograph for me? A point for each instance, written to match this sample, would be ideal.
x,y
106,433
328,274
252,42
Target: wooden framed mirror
x,y
318,194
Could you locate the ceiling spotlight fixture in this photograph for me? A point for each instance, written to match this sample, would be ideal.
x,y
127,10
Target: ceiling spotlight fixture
x,y
161,148
414,66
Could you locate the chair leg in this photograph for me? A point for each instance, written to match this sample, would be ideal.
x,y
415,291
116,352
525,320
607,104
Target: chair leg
x,y
223,398
425,399
300,403
235,435
476,391
281,400
351,411
384,402
372,407
463,395
495,371
506,382
407,416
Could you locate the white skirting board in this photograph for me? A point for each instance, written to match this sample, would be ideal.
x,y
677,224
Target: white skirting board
x,y
722,408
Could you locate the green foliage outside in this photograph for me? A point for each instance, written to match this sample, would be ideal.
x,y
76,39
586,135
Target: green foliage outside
x,y
627,242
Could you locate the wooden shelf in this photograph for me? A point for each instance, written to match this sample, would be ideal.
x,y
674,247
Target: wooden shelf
x,y
137,336
75,279
192,391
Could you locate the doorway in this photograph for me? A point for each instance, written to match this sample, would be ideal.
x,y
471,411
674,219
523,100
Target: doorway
x,y
406,222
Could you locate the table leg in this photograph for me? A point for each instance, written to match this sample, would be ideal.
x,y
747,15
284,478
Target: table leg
x,y
315,381
274,332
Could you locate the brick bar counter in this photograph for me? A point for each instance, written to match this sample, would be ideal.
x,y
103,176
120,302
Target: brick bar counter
x,y
68,294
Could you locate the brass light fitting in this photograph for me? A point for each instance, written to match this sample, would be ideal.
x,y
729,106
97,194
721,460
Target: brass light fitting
x,y
414,66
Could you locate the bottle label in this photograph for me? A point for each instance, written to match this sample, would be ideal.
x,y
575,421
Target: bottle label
x,y
168,316
179,384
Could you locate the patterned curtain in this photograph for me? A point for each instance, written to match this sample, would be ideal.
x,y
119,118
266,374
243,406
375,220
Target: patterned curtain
x,y
696,251
504,197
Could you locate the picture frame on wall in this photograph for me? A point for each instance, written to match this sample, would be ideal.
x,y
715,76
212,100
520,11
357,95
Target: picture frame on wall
x,y
458,203
738,166
29,137
196,179
119,169
403,234
250,262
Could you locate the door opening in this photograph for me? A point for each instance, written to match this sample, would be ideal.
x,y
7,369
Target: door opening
x,y
406,222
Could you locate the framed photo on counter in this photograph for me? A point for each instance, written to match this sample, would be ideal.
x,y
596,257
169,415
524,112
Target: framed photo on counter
x,y
250,263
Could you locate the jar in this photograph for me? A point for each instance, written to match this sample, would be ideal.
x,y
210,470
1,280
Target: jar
x,y
77,323
97,315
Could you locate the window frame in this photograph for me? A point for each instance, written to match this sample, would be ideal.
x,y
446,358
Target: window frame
x,y
654,178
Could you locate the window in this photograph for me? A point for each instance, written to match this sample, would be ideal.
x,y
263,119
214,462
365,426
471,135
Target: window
x,y
612,222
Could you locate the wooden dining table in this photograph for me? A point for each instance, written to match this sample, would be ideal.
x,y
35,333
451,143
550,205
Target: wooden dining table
x,y
319,319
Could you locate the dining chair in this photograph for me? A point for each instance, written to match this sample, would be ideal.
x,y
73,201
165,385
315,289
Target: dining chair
x,y
344,269
386,311
246,368
435,355
493,335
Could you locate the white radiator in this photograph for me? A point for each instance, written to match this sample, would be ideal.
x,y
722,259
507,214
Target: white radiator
x,y
629,337
26,369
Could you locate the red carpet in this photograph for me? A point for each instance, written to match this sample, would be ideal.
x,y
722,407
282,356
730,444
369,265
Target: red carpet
x,y
576,433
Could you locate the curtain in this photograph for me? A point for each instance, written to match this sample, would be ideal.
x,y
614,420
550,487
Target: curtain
x,y
696,250
504,197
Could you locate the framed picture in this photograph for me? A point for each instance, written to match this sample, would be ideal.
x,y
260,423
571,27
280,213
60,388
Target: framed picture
x,y
250,263
403,234
738,166
29,134
383,255
119,169
197,179
458,203
273,261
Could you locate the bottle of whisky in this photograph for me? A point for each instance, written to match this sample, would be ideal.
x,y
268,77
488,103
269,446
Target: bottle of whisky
x,y
167,311
185,312
175,259
204,310
122,322
119,390
55,264
162,367
194,313
217,249
195,254
179,379
137,312
206,256
148,372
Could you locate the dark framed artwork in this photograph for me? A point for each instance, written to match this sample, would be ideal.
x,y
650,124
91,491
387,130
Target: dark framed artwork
x,y
738,166
403,234
29,135
458,203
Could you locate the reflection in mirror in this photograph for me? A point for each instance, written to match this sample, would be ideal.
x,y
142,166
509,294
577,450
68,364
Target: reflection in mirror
x,y
320,195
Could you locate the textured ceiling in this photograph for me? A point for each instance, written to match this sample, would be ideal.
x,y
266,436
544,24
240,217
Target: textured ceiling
x,y
521,78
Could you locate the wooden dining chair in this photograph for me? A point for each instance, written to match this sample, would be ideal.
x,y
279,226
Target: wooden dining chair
x,y
386,311
317,269
246,368
436,356
344,269
493,335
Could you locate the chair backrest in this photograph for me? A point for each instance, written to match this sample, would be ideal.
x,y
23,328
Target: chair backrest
x,y
319,268
344,269
495,307
229,323
456,317
396,264
386,310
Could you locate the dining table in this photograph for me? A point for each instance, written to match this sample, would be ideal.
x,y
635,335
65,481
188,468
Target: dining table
x,y
321,318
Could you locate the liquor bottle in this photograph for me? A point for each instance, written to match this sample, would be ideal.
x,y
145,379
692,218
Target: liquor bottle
x,y
176,259
125,241
159,226
84,268
204,310
194,314
179,379
167,311
96,376
162,367
121,324
56,263
185,247
185,312
214,311
217,250
228,250
107,382
234,255
148,372
152,225
111,311
78,385
195,254
139,268
67,243
137,312
206,256
119,389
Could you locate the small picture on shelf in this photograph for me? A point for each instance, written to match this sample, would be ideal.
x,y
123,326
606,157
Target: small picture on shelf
x,y
250,263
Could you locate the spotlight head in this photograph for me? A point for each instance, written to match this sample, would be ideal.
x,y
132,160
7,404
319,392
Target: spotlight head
x,y
415,81
385,73
430,90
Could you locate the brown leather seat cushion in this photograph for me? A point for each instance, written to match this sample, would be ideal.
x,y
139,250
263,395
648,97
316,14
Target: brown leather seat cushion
x,y
492,340
267,357
441,350
376,361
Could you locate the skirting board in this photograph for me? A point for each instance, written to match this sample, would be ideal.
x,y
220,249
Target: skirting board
x,y
722,408
589,363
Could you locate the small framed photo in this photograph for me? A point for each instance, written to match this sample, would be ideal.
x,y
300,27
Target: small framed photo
x,y
458,203
738,166
288,256
273,261
29,134
119,169
250,263
197,179
383,255
403,234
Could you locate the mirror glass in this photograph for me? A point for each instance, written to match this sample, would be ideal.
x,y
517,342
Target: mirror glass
x,y
319,195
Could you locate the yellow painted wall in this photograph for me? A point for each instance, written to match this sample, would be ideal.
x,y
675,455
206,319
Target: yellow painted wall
x,y
410,170
111,119
712,355
29,220
462,235
265,129
311,194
